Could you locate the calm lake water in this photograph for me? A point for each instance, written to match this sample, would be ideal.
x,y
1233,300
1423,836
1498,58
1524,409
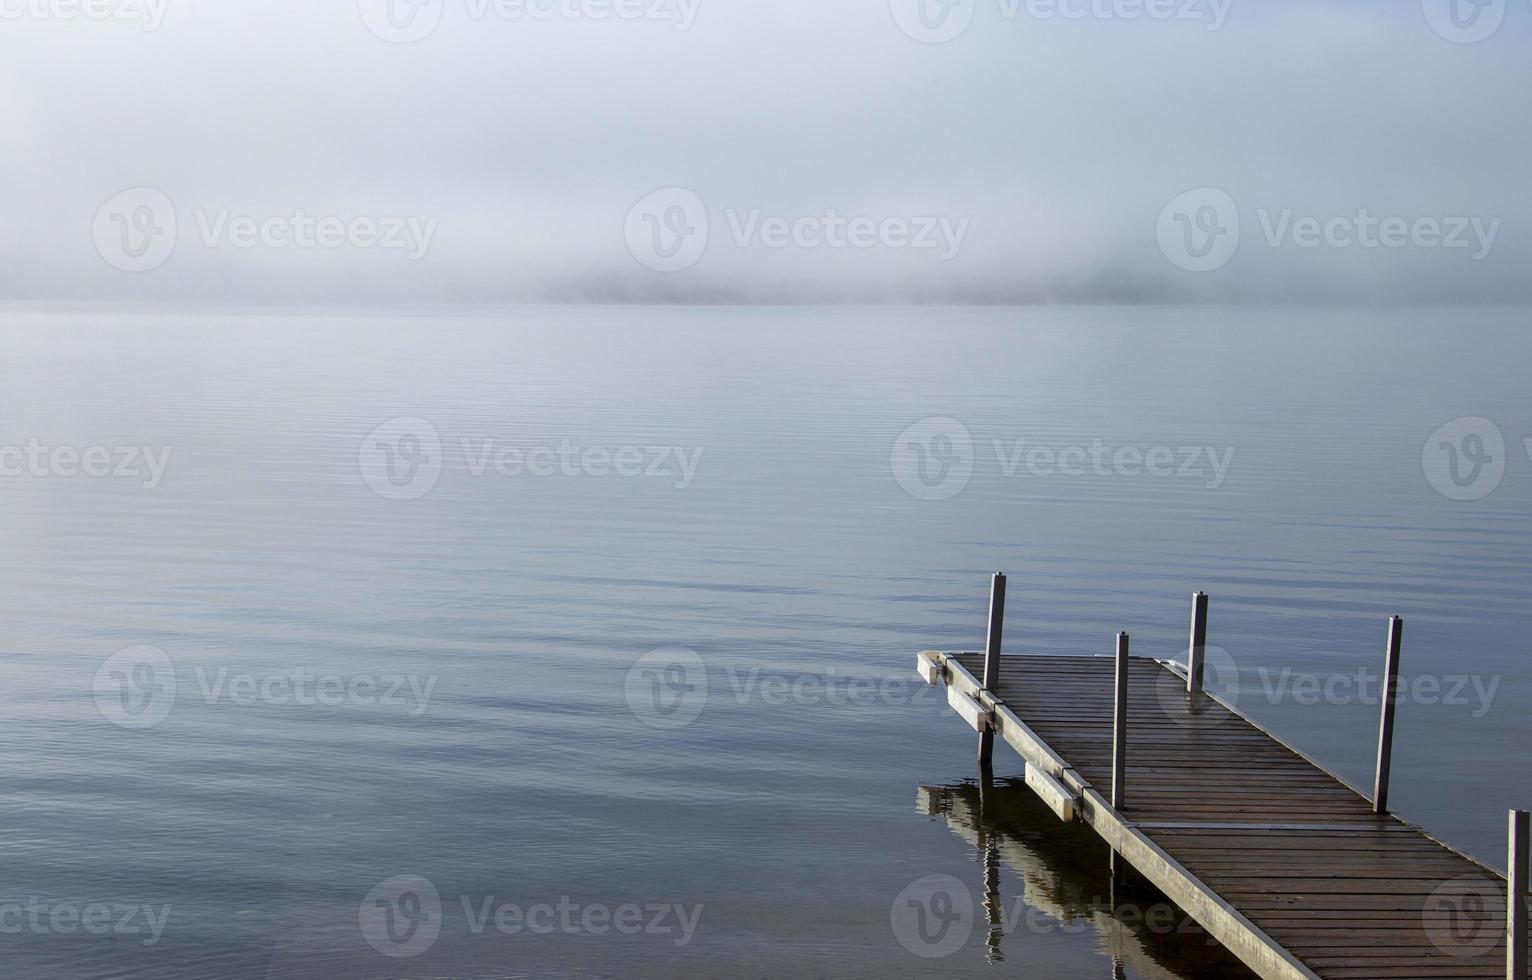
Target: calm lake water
x,y
618,681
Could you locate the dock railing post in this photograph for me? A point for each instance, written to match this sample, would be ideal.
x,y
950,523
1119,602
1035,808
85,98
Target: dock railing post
x,y
1386,727
1120,726
991,680
1199,642
1516,899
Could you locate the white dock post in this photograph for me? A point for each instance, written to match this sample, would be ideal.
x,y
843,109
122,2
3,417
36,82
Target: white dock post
x,y
1199,642
1120,726
991,679
1516,899
1390,702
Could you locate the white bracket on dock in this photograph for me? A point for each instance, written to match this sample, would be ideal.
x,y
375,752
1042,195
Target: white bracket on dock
x,y
931,666
1058,799
979,718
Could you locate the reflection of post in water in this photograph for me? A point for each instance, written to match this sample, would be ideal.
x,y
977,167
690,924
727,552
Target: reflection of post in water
x,y
1063,885
994,904
1115,882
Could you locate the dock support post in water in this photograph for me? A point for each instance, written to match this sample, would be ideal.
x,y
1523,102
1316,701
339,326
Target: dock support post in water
x,y
1516,899
1120,727
1199,642
991,680
1386,728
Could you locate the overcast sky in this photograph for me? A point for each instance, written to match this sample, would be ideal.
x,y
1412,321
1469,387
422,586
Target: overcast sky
x,y
804,150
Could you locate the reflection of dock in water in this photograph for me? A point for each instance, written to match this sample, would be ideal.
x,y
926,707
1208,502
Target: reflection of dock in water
x,y
1064,879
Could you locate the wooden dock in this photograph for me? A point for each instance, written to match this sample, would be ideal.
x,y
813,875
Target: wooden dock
x,y
1293,870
